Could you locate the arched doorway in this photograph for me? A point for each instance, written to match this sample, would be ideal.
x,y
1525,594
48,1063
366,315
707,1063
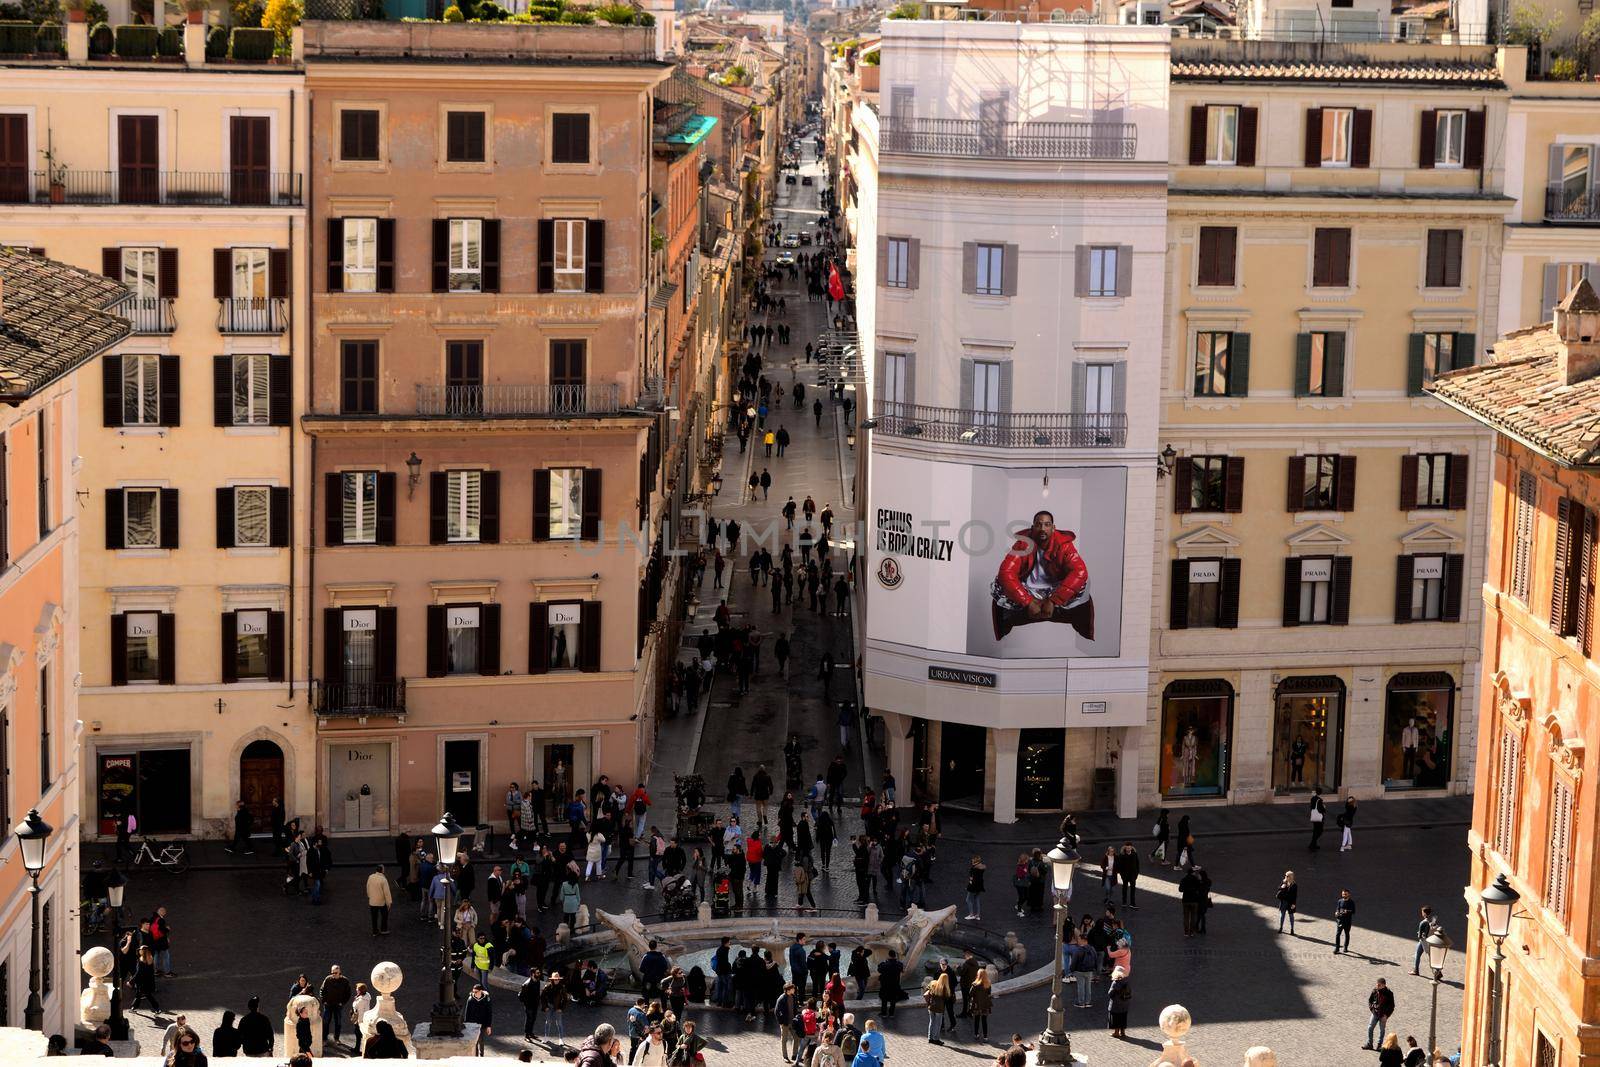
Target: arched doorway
x,y
261,780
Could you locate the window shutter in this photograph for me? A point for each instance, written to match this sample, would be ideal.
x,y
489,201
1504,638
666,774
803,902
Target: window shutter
x,y
1361,138
1333,365
1561,557
386,500
1435,264
1320,242
590,529
1239,372
278,514
969,267
1347,483
1005,385
333,520
275,647
384,281
1454,573
1178,596
388,645
111,258
1249,121
166,648
883,260
914,263
489,639
111,390
1586,580
169,518
1182,486
1233,486
1548,297
1408,483
594,262
589,637
280,282
1124,270
1403,571
332,646
441,255
1080,385
335,255
1010,268
541,506
1296,499
119,650
968,375
1472,156
222,390
1291,591
538,638
1119,387
436,664
1197,135
1416,352
438,494
225,517
167,273
1228,598
116,522
1313,154
1080,270
910,386
489,508
280,389
1206,270
1339,612
222,273
230,645
1466,351
1427,138
491,255
1302,364
546,280
1457,499
168,373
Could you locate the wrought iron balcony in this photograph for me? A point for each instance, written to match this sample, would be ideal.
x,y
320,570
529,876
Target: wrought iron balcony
x,y
981,139
518,401
185,188
252,314
1582,205
1003,429
149,314
353,699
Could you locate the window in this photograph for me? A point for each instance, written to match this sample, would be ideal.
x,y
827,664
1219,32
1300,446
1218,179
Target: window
x,y
360,255
141,389
1572,578
1320,366
1522,549
141,518
1559,280
360,507
986,387
1103,268
252,511
46,748
1321,490
1433,480
250,274
1211,356
1205,591
1337,125
1444,259
1544,1052
1207,482
991,270
466,255
463,505
1099,394
1427,588
1222,136
252,390
1438,354
1330,261
566,503
1316,589
358,373
464,136
1449,138
461,630
569,376
463,377
1218,248
1507,795
1571,181
252,657
358,136
1196,738
139,272
570,237
569,137
1558,861
42,454
565,628
143,659
358,647
897,270
896,385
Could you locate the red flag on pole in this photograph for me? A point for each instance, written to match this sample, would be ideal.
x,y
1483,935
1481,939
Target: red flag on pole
x,y
835,283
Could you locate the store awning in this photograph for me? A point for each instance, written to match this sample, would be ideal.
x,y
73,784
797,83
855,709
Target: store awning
x,y
693,131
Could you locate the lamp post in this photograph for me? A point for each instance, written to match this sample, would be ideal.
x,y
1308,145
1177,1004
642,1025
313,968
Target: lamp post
x,y
1438,948
32,833
1054,1045
1498,901
116,886
446,1020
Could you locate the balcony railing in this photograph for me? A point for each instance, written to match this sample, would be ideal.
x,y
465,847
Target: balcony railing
x,y
1561,205
251,314
185,188
359,698
981,139
513,401
149,314
1003,429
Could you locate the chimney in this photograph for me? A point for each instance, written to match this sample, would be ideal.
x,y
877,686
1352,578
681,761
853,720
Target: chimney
x,y
1577,326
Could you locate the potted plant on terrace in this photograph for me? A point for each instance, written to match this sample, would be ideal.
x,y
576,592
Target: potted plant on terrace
x,y
194,11
77,10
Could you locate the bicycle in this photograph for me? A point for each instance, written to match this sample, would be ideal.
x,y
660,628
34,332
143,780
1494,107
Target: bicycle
x,y
96,911
173,858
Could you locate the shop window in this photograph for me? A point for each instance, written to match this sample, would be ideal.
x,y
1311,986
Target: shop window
x,y
143,657
1308,735
358,786
1418,719
565,620
152,785
1196,738
461,627
1040,762
252,645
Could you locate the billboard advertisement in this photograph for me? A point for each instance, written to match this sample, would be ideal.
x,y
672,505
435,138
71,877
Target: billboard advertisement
x,y
997,562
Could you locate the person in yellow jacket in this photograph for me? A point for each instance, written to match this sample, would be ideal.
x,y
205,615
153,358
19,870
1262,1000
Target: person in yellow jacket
x,y
481,960
769,440
378,900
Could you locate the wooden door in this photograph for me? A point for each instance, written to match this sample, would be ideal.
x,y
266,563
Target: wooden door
x,y
14,162
138,159
568,373
260,782
250,159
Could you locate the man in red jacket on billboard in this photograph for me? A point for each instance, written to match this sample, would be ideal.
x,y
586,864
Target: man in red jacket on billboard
x,y
1043,579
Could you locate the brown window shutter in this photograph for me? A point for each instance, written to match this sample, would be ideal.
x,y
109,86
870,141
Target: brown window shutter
x,y
538,638
111,263
441,255
1427,138
541,505
1228,600
336,255
1583,625
169,518
1342,254
594,263
1560,558
1313,154
1361,138
1346,487
116,528
1227,255
386,499
169,374
275,646
1339,608
167,272
969,267
1249,122
1296,497
1291,591
166,648
349,136
280,390
332,646
589,637
110,399
883,260
1197,135
546,280
1010,269
388,645
279,278
333,519
1435,265
119,650
590,528
1178,596
489,521
230,647
1233,486
1454,575
279,502
436,664
222,273
225,517
1182,486
438,493
1472,154
914,264
1403,570
1408,482
1457,498
489,639
384,282
491,255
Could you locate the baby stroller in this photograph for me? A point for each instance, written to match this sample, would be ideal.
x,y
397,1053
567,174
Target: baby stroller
x,y
721,900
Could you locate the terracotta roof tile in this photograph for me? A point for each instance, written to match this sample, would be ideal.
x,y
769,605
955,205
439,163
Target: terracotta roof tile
x,y
54,318
1420,72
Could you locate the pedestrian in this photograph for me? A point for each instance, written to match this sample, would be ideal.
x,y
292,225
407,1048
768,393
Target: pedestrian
x,y
302,1029
889,992
802,889
1108,875
186,1049
1119,1001
1019,882
841,596
980,1002
362,1002
243,824
384,1044
1193,893
1389,1054
974,888
816,412
783,440
1161,833
1347,823
379,900
769,440
334,994
528,996
789,509
755,484
936,996
1319,812
1427,925
144,980
766,481
555,1008
161,942
1380,1003
1126,868
255,1031
1288,899
1344,916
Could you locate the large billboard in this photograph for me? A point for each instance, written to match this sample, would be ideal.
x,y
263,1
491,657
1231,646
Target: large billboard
x,y
997,562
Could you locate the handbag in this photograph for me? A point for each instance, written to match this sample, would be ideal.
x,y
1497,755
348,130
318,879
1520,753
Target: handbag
x,y
1316,814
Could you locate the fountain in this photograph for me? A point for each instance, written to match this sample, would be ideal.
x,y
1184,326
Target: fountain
x,y
632,936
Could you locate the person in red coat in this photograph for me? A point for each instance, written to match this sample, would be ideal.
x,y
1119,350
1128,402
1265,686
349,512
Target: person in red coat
x,y
1043,579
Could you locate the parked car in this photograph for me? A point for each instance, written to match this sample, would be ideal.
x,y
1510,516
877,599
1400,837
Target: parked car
x,y
806,180
788,179
803,238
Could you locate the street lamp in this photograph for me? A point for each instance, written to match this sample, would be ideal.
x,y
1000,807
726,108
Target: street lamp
x,y
32,833
1054,1045
116,887
446,1021
1438,948
1499,901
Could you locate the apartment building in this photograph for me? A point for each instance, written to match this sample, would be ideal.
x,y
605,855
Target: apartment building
x,y
184,183
1333,241
57,320
1012,164
484,427
1534,821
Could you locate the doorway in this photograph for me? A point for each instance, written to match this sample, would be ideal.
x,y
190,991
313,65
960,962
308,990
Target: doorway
x,y
261,781
461,786
962,751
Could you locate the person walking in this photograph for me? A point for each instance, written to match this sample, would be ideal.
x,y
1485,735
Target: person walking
x,y
980,1003
1162,833
1288,899
379,900
1347,823
243,824
783,440
1192,890
1319,813
889,992
161,942
144,980
362,1002
1127,871
768,441
1119,1002
802,889
1380,1003
528,994
555,1009
975,871
766,480
1426,926
334,994
1344,916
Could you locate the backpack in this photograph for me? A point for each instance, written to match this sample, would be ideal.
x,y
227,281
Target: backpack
x,y
849,1042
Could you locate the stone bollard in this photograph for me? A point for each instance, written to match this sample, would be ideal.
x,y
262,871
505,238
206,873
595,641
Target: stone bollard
x,y
703,913
94,1004
386,978
1260,1056
563,933
583,916
313,1009
1175,1023
872,913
